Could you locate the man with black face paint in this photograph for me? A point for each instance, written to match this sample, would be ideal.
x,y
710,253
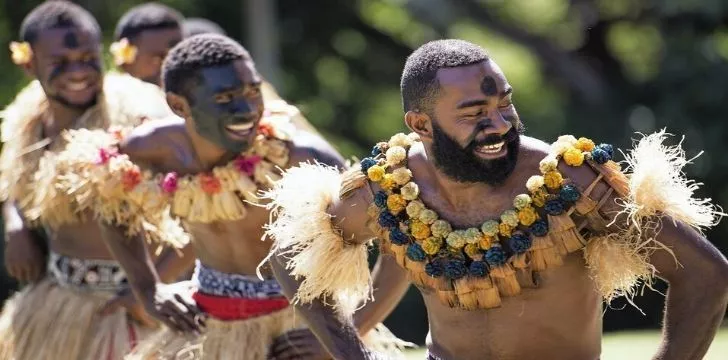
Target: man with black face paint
x,y
143,37
206,167
55,316
513,243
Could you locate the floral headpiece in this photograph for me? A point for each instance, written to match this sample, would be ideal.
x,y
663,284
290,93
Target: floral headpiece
x,y
21,52
124,52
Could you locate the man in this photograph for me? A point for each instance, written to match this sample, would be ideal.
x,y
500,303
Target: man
x,y
208,164
490,233
143,37
197,26
55,316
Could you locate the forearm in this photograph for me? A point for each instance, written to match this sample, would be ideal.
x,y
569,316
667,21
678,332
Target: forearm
x,y
172,263
131,253
390,284
694,311
339,337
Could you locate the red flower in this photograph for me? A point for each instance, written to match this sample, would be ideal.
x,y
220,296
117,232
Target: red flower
x,y
247,164
266,129
169,183
131,178
210,184
105,155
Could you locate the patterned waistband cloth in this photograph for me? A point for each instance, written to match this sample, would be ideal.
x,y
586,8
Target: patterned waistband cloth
x,y
234,296
86,274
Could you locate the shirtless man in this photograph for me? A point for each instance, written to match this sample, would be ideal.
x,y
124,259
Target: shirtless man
x,y
224,146
143,37
510,282
55,315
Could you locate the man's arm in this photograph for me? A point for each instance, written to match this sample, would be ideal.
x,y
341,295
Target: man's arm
x,y
694,269
24,257
389,285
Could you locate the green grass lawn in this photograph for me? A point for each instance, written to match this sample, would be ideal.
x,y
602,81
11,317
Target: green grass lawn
x,y
637,345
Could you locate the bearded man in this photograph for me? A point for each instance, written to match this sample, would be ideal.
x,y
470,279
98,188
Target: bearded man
x,y
512,243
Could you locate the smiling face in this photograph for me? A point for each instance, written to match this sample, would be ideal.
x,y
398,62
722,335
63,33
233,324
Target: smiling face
x,y
152,46
475,127
66,62
227,105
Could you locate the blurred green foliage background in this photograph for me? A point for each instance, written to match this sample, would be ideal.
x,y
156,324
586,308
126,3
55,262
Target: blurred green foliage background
x,y
604,69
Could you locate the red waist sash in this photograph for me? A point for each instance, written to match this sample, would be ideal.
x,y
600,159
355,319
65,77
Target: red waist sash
x,y
226,308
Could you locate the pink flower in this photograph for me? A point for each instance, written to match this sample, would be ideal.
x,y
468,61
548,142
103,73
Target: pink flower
x,y
246,164
105,155
169,183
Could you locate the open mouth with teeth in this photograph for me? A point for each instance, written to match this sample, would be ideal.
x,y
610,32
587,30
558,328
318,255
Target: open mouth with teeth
x,y
240,131
78,85
492,150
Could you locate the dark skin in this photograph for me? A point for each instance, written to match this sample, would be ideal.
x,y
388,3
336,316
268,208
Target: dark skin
x,y
152,46
210,132
66,62
561,316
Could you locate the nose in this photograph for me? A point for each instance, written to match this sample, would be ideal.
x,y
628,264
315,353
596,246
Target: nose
x,y
496,124
240,106
79,70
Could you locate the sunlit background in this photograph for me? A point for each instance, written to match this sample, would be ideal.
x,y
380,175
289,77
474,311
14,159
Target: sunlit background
x,y
604,69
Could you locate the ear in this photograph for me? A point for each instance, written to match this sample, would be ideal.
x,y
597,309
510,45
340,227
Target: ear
x,y
419,122
179,105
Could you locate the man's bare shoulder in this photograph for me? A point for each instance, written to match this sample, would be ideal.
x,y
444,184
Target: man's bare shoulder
x,y
153,140
308,147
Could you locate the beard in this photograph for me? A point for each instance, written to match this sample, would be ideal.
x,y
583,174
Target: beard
x,y
463,165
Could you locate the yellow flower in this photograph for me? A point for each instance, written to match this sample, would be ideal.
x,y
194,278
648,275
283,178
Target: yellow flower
x,y
527,216
559,148
419,230
574,157
414,208
585,144
123,51
388,182
410,191
505,230
413,137
553,180
456,239
510,218
568,139
395,155
21,52
490,228
521,201
473,235
400,139
432,245
396,203
473,251
375,173
549,163
440,228
539,197
428,216
402,175
486,242
534,182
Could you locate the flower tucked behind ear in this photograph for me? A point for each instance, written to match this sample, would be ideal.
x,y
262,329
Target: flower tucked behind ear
x,y
123,51
21,52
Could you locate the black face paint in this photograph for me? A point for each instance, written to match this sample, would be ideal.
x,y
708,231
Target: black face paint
x,y
488,86
463,165
211,117
70,40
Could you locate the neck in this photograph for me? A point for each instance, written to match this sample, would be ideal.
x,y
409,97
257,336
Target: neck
x,y
208,154
63,116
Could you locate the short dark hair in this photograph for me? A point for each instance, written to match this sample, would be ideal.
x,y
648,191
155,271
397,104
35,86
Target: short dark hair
x,y
419,83
57,14
148,16
184,61
197,26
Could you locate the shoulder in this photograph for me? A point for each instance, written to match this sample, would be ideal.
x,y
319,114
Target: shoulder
x,y
153,140
308,147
